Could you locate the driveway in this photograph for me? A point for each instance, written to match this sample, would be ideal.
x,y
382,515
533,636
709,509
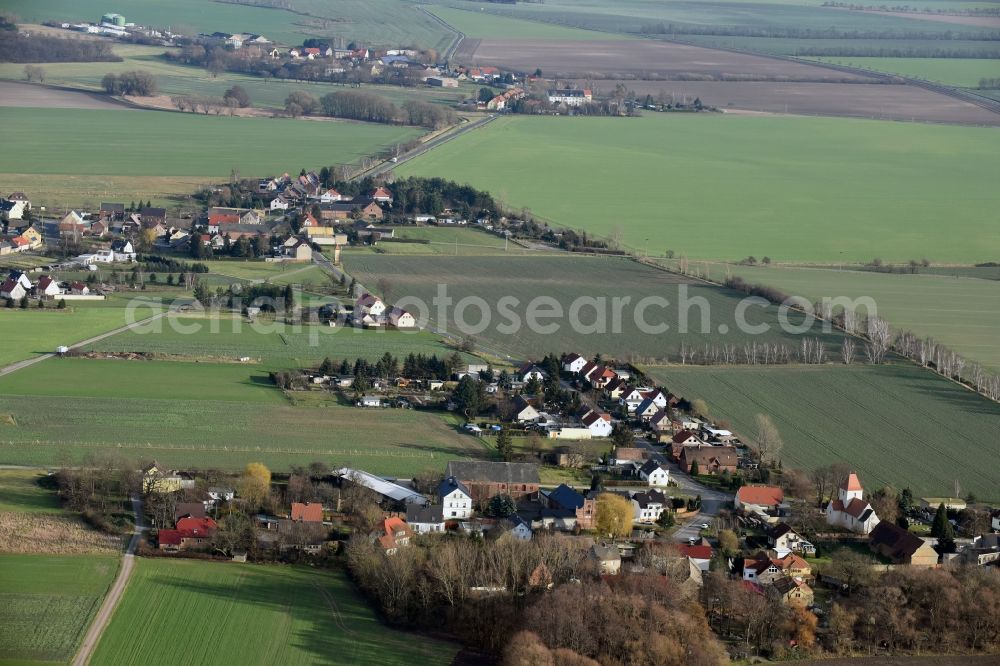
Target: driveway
x,y
97,627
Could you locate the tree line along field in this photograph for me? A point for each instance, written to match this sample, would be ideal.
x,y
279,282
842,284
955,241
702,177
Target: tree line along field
x,y
178,79
566,278
959,72
206,415
375,22
159,143
190,611
792,188
962,313
895,424
47,602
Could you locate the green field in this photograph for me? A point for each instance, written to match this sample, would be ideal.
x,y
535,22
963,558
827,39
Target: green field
x,y
207,415
274,345
160,143
186,611
454,241
960,72
809,189
47,603
177,79
385,22
567,278
20,492
961,313
894,424
488,25
32,332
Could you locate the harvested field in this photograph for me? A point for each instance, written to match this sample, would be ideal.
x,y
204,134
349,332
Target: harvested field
x,y
29,95
52,534
634,58
859,100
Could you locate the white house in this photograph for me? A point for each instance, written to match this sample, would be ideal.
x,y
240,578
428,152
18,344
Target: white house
x,y
400,318
519,529
122,250
527,372
370,401
573,363
648,506
279,203
456,500
524,412
570,97
646,410
598,423
15,286
221,494
369,304
47,286
850,510
783,539
425,519
654,473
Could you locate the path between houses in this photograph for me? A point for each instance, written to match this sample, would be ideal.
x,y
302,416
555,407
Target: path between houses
x,y
107,609
20,365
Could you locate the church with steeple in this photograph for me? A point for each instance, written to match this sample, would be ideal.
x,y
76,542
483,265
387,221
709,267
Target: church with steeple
x,y
850,510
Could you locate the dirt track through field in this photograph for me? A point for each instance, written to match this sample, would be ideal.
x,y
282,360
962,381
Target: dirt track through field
x,y
15,94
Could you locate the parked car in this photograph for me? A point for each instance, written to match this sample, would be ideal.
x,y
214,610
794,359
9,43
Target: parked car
x,y
473,428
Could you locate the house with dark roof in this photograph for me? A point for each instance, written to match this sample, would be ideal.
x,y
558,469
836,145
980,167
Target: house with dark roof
x,y
573,363
425,519
901,546
524,411
680,440
783,539
487,479
792,591
655,473
189,510
711,459
153,216
111,212
456,499
850,510
648,506
568,499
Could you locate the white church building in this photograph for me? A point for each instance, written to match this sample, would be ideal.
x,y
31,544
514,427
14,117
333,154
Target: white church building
x,y
850,510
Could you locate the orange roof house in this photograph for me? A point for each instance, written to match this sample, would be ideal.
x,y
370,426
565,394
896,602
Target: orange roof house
x,y
308,512
769,497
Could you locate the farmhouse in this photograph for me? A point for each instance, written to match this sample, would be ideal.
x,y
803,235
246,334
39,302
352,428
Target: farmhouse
x,y
400,318
850,510
901,546
393,535
486,479
307,512
567,499
456,500
389,492
425,519
763,498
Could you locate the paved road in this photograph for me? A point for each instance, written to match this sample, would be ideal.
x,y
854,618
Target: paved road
x,y
712,501
97,627
20,365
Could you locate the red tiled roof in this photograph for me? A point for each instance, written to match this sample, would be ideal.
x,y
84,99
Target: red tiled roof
x,y
223,218
852,483
196,527
760,495
169,537
307,512
695,552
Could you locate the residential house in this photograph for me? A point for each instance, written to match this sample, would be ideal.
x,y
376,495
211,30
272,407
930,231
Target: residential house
x,y
850,510
680,440
12,210
456,500
221,494
646,409
529,371
382,195
763,568
792,591
984,550
189,534
598,423
648,506
296,249
622,456
524,412
573,363
330,195
901,546
158,479
78,289
764,498
393,535
783,539
632,398
369,304
279,203
400,318
35,239
568,499
713,460
517,527
425,519
123,250
655,473
20,197
661,425
699,554
16,286
307,512
47,287
601,376
486,479
616,388
607,558
72,223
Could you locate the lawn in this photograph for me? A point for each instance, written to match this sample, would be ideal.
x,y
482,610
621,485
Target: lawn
x,y
32,332
274,345
593,284
186,611
715,186
180,144
961,313
894,424
960,72
47,603
207,415
20,491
